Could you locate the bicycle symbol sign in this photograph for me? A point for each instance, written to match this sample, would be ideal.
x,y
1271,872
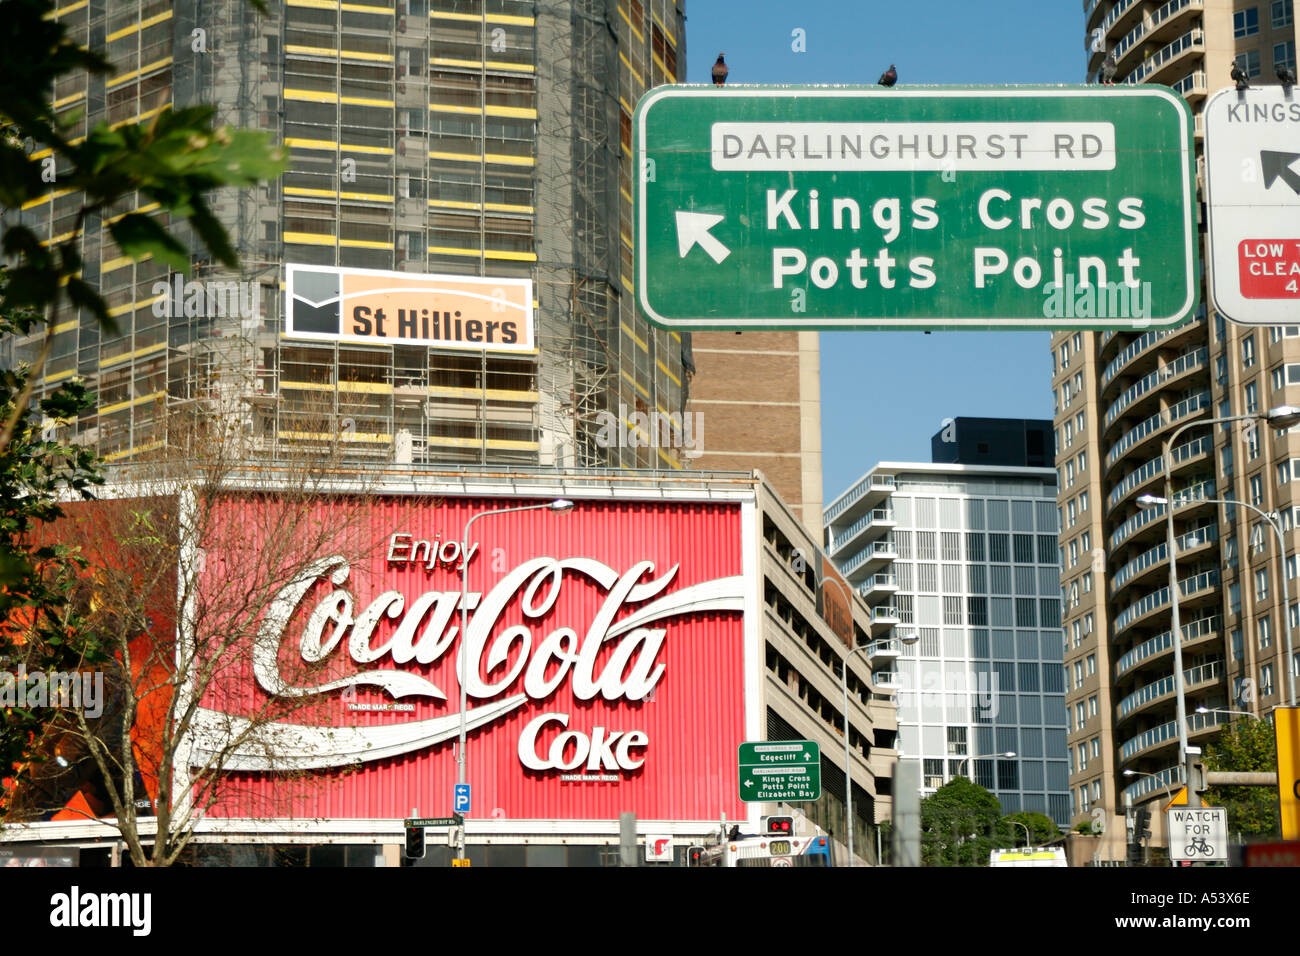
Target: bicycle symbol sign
x,y
1198,833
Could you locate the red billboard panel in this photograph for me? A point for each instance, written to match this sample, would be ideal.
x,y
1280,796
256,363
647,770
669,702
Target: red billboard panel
x,y
603,649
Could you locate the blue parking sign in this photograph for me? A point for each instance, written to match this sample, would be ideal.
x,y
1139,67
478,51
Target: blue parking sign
x,y
460,802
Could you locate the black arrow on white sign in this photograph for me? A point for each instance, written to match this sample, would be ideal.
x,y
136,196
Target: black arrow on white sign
x,y
1277,165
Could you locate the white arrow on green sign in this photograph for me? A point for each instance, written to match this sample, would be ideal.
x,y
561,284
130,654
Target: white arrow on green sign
x,y
930,207
788,770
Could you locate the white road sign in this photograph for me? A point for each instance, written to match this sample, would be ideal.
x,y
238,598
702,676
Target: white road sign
x,y
1198,833
1252,180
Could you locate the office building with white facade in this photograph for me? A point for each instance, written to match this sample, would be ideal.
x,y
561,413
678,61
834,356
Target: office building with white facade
x,y
965,558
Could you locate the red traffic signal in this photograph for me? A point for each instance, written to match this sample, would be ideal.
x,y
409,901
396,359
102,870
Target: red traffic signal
x,y
694,855
778,826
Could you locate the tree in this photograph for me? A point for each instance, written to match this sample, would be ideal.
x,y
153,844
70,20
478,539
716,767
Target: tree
x,y
36,469
1245,745
959,825
1042,830
181,564
174,160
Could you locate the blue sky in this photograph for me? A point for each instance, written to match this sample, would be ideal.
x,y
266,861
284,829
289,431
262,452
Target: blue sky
x,y
885,393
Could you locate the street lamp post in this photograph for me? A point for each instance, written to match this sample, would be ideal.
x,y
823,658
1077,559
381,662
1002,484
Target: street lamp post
x,y
559,505
910,638
1028,842
1148,500
1282,416
965,761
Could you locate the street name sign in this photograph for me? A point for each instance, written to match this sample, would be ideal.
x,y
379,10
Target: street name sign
x,y
1252,191
789,770
452,821
1198,833
918,208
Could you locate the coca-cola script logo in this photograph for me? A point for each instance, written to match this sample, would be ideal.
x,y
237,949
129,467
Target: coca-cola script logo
x,y
427,630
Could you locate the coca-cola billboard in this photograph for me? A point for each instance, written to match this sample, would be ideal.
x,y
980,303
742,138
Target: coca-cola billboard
x,y
604,652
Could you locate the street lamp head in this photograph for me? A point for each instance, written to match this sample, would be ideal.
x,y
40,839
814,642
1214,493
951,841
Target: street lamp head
x,y
561,505
1284,416
909,638
1010,754
1150,501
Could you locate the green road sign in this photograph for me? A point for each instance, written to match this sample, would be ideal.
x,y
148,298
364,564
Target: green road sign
x,y
933,207
789,770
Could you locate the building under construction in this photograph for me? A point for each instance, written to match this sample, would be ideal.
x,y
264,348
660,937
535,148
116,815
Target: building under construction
x,y
486,138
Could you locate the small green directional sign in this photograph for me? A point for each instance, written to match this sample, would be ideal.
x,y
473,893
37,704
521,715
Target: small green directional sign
x,y
917,208
788,770
456,820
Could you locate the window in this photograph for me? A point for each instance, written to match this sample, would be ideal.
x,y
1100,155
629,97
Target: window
x,y
1079,421
1237,649
1221,369
1084,806
1086,581
1076,632
1065,394
1264,628
1283,13
1069,433
1230,550
1083,765
1085,542
1078,383
1096,788
1095,743
1249,63
1252,398
1266,680
1072,510
1078,679
1083,501
1088,624
1261,584
1074,553
1250,435
1083,462
1284,55
1069,474
1078,341
1234,597
1256,490
1092,664
1248,351
1245,23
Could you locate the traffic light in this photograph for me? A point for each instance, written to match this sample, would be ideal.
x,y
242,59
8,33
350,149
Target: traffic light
x,y
415,843
694,855
1143,823
778,826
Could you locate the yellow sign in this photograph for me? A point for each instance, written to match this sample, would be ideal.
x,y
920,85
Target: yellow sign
x,y
1286,722
371,307
458,862
1179,800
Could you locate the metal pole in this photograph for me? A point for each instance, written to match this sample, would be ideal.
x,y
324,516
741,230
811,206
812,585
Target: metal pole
x,y
1176,630
848,757
460,654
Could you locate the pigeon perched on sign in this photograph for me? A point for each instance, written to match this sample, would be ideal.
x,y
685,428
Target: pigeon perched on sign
x,y
889,77
1239,77
720,71
1108,69
1286,76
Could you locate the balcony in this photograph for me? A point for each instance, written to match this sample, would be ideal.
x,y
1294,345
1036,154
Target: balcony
x,y
878,585
874,489
1132,351
874,521
1181,454
1151,693
1119,14
1161,25
1135,524
1196,585
1196,723
1153,66
1156,782
878,555
1140,433
888,649
1187,362
1155,557
1193,84
1161,644
884,617
885,680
